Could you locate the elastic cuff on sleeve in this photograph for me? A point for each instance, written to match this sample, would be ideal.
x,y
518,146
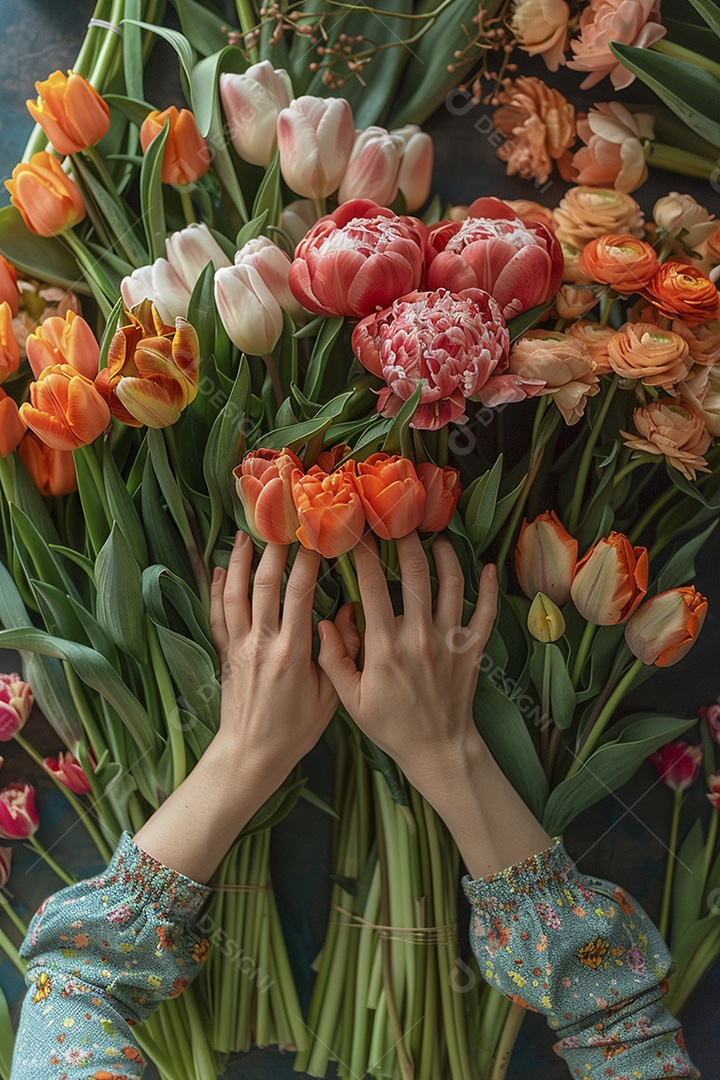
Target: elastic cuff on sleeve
x,y
553,866
144,880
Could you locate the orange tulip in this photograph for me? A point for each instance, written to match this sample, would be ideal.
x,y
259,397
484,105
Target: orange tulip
x,y
48,200
12,427
65,409
610,581
70,111
683,292
329,510
442,494
152,368
63,341
52,471
186,157
545,558
664,629
264,487
8,285
327,460
9,350
391,493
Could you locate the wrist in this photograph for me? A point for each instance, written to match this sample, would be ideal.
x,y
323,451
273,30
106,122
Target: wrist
x,y
453,769
248,769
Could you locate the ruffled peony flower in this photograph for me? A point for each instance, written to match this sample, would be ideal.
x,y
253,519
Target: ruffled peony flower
x,y
448,343
624,22
614,155
587,212
519,264
563,363
540,27
655,356
595,338
539,125
675,428
682,216
683,292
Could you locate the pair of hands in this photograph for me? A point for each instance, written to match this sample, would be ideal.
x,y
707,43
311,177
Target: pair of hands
x,y
413,695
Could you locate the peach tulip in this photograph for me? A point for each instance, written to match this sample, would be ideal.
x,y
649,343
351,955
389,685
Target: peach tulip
x,y
52,471
9,292
65,409
545,558
49,201
392,495
664,629
18,813
12,426
16,702
443,490
64,341
186,156
610,581
264,487
9,349
252,102
70,111
329,510
315,138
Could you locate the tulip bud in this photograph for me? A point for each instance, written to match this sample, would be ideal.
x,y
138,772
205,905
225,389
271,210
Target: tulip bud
x,y
8,285
711,715
70,111
162,286
664,629
298,218
416,167
190,250
610,581
545,558
264,487
252,102
373,168
12,426
16,702
442,494
65,409
315,138
9,350
68,770
714,785
329,509
545,619
64,341
677,764
52,471
392,495
5,863
18,814
46,197
186,157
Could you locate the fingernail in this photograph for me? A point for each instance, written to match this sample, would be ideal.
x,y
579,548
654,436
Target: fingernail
x,y
321,632
240,538
491,571
217,574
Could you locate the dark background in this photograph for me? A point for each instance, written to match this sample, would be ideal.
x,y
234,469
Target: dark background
x,y
623,838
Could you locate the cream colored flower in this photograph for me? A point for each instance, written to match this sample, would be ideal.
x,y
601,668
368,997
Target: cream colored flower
x,y
587,212
615,151
540,27
678,214
674,427
565,365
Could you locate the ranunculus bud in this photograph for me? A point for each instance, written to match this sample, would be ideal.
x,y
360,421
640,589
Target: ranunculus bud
x,y
16,702
545,558
545,619
46,197
442,490
329,509
70,111
714,785
68,770
18,814
252,102
52,471
677,764
392,494
373,168
711,715
9,349
5,864
68,340
264,487
315,136
664,629
416,167
65,410
610,581
186,157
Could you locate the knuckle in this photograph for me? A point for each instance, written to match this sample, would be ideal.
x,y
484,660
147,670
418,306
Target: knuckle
x,y
416,566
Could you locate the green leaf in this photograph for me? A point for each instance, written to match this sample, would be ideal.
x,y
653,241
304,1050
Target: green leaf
x,y
111,327
252,230
114,216
134,109
41,257
688,885
122,508
709,11
318,803
269,197
477,505
208,114
522,323
691,489
201,315
680,567
37,558
179,43
562,693
501,724
132,51
503,511
204,28
297,435
119,595
322,349
164,540
194,676
7,1039
699,39
397,440
159,586
152,205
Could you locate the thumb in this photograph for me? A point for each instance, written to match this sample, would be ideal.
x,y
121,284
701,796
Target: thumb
x,y
337,664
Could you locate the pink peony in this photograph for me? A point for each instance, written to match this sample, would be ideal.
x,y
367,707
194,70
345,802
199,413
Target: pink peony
x,y
625,22
614,155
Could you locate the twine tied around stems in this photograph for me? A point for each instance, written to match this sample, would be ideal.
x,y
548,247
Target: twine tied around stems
x,y
103,24
415,935
221,887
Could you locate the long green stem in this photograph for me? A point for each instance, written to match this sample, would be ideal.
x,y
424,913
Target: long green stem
x,y
47,858
664,923
690,57
652,512
627,469
677,160
582,653
187,204
545,711
352,590
511,1028
170,708
593,736
12,915
12,953
586,459
710,844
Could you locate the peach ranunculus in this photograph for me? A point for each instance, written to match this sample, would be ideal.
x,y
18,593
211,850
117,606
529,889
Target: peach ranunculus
x,y
64,341
563,363
595,337
615,152
443,490
665,628
528,212
539,125
624,22
545,558
392,494
585,213
572,301
49,201
12,426
52,471
9,349
186,156
703,390
573,274
610,581
683,292
682,216
264,487
541,29
703,340
329,509
621,261
710,251
647,352
70,111
65,410
673,427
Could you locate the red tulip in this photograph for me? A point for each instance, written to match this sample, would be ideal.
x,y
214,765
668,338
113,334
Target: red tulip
x,y
442,490
711,715
12,427
16,702
663,630
714,785
18,813
610,581
392,495
68,770
545,558
678,764
264,487
5,862
329,509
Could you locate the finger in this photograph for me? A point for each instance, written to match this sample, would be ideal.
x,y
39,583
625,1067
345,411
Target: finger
x,y
266,588
483,617
451,586
379,615
218,625
415,571
299,596
338,666
235,593
346,625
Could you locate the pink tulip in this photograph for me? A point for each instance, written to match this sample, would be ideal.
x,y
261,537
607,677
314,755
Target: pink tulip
x,y
190,250
357,260
714,785
374,166
711,715
663,630
677,764
610,581
162,286
315,138
252,294
16,702
252,102
273,264
520,264
443,490
5,863
68,770
18,814
416,167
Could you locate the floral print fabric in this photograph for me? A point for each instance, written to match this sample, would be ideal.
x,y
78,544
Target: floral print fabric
x,y
581,951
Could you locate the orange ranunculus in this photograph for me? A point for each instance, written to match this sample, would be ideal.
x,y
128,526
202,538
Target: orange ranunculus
x,y
545,558
643,351
8,285
264,487
53,471
9,350
595,338
153,369
683,292
48,200
391,493
12,427
442,490
621,261
674,427
327,460
186,157
610,581
63,341
65,409
664,629
70,111
329,510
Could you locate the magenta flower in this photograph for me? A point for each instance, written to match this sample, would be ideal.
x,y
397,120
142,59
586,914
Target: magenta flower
x,y
714,785
16,702
677,764
69,771
711,715
18,813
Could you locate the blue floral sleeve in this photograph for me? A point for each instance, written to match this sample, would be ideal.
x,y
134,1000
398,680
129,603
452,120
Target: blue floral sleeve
x,y
103,954
581,951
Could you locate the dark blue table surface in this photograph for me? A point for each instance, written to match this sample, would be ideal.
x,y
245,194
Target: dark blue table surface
x,y
623,837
